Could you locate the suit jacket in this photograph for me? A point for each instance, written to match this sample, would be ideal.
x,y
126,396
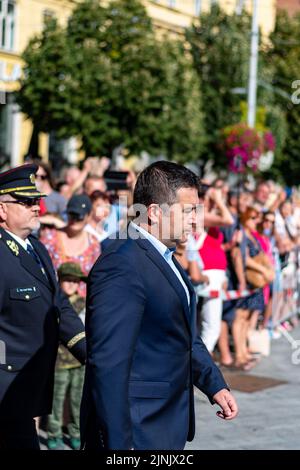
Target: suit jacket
x,y
34,316
144,354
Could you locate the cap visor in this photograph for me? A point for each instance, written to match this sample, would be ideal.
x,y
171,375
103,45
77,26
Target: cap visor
x,y
29,194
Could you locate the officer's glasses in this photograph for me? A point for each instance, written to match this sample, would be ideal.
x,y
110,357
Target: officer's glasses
x,y
30,202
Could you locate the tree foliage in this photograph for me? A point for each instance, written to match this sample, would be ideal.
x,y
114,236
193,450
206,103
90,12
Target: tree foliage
x,y
283,60
220,50
108,79
43,95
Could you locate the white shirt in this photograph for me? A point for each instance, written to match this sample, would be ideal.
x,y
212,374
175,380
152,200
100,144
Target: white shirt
x,y
166,254
100,236
282,224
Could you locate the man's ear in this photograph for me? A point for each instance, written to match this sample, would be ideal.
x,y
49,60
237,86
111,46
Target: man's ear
x,y
153,212
3,212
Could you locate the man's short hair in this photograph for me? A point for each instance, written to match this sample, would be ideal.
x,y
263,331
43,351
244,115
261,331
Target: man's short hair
x,y
159,183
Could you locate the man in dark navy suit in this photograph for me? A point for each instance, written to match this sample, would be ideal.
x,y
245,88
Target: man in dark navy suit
x,y
143,352
34,314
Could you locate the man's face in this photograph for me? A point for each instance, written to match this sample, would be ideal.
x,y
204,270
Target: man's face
x,y
286,209
92,185
20,216
262,193
179,220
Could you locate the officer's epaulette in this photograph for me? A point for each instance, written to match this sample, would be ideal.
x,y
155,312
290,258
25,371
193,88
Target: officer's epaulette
x,y
9,242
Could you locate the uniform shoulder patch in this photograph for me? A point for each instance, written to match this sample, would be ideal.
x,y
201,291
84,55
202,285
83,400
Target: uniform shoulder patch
x,y
13,246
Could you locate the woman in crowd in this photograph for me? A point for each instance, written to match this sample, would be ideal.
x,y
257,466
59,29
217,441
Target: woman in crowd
x,y
254,304
55,203
72,243
211,253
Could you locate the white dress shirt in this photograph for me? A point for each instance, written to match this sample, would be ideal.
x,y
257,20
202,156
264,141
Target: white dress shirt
x,y
166,253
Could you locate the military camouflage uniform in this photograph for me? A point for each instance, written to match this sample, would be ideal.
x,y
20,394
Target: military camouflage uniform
x,y
69,376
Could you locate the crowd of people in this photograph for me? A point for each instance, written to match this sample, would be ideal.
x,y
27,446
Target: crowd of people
x,y
246,239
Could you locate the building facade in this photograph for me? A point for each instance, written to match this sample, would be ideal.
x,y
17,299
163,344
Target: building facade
x,y
22,19
175,15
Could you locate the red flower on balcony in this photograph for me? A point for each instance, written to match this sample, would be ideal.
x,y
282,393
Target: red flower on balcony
x,y
243,147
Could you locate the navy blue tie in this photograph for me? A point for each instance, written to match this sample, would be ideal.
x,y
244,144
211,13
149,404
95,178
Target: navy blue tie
x,y
35,256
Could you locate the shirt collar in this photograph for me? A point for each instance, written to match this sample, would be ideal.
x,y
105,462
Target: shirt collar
x,y
161,247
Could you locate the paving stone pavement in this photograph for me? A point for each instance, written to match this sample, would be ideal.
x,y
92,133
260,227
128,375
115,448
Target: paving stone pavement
x,y
268,419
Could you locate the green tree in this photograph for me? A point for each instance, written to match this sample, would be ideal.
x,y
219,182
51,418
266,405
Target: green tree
x,y
183,114
43,96
283,60
220,51
108,79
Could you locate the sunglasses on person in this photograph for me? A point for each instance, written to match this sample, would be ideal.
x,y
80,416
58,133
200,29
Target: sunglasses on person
x,y
41,177
271,221
76,217
27,202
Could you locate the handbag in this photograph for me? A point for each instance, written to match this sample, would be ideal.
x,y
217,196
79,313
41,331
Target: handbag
x,y
259,342
255,278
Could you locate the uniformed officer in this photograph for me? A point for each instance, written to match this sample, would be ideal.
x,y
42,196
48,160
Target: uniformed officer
x,y
34,314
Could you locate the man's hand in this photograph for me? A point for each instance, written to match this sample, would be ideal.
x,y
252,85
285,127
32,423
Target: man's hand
x,y
215,195
228,404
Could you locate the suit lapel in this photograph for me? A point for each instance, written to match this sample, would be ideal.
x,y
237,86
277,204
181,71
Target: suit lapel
x,y
167,271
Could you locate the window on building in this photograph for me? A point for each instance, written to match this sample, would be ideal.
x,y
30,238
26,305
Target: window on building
x,y
7,24
198,7
239,6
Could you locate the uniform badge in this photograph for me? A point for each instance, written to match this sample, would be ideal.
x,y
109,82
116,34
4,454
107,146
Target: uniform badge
x,y
32,178
13,246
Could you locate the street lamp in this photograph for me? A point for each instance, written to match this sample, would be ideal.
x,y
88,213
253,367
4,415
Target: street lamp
x,y
252,87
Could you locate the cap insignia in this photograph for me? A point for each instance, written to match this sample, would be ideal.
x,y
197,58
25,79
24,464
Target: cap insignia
x,y
32,178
